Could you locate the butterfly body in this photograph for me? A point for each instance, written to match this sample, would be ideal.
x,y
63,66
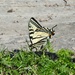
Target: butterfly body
x,y
38,34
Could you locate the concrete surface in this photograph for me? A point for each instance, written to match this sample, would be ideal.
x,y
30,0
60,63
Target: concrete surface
x,y
15,14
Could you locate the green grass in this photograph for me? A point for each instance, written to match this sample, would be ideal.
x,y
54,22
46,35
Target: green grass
x,y
26,62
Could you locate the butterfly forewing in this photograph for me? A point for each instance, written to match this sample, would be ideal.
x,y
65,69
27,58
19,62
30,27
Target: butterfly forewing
x,y
33,25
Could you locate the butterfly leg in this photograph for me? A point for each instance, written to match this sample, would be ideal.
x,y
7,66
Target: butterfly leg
x,y
41,47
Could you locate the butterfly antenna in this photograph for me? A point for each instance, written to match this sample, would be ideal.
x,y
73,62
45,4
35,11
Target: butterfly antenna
x,y
53,27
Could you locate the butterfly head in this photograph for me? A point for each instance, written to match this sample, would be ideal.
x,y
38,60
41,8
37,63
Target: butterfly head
x,y
51,31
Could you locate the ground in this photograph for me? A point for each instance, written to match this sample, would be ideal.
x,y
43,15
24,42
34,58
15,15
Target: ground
x,y
15,14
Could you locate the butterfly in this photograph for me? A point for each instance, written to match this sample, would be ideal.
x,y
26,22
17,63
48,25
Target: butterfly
x,y
38,34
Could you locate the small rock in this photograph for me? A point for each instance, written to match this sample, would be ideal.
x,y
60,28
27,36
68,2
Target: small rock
x,y
10,10
1,33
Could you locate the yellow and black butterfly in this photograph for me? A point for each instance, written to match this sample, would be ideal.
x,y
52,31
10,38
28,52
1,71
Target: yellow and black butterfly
x,y
38,34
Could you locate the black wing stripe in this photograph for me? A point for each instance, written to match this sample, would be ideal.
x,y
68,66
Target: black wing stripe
x,y
30,37
35,22
35,37
31,33
42,40
31,30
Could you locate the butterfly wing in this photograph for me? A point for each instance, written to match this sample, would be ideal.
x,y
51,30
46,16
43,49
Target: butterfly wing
x,y
36,32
